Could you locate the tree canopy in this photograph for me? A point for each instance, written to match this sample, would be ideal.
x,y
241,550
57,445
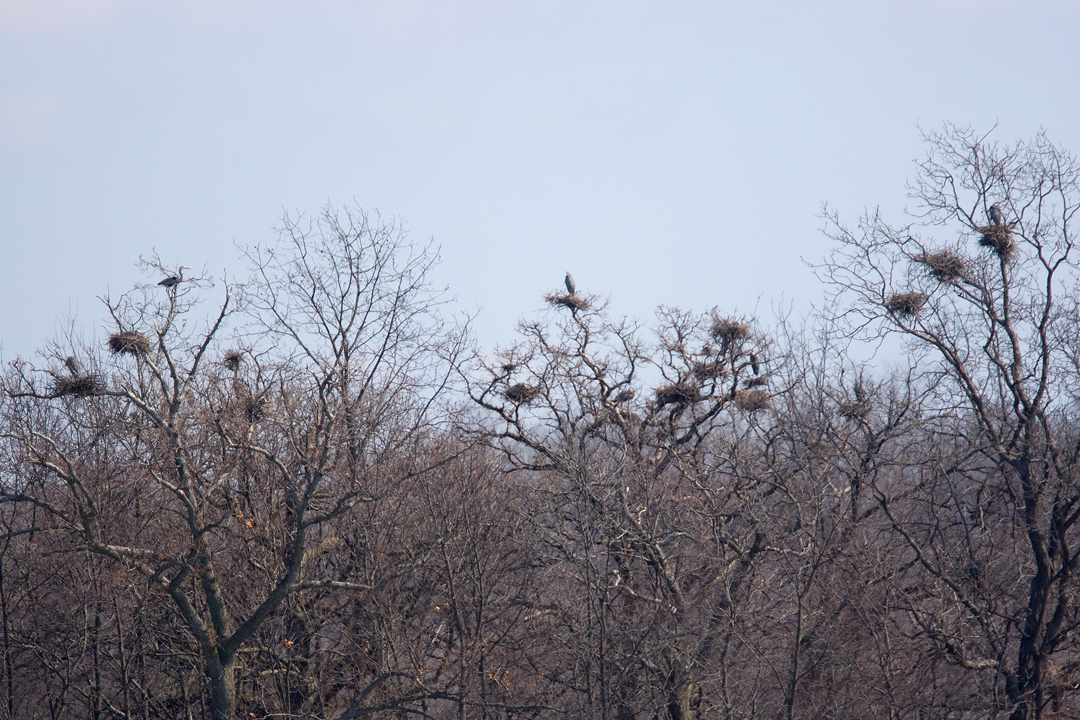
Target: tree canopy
x,y
322,499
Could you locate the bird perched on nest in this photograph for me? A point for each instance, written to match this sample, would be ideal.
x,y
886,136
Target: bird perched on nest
x,y
996,216
72,365
174,280
569,280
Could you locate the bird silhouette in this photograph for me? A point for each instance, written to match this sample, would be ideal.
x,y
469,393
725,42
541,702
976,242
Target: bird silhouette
x,y
569,280
174,280
996,215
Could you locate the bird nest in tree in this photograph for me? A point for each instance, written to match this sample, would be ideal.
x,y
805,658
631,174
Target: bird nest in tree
x,y
906,304
129,342
998,238
855,410
709,370
521,393
568,300
946,266
727,331
757,381
76,386
680,393
232,360
254,408
752,400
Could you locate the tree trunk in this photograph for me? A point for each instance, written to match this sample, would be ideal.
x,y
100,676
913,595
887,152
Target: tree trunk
x,y
222,674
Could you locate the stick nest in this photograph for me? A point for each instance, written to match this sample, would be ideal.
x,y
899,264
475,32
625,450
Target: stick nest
x,y
906,304
681,393
855,410
757,381
709,370
728,332
254,408
946,266
521,393
77,386
997,238
129,342
232,360
752,400
573,301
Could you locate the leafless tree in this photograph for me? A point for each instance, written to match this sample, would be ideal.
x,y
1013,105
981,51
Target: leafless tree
x,y
213,478
322,503
646,513
988,312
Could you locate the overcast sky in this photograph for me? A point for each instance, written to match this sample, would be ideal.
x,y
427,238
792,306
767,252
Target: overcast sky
x,y
669,153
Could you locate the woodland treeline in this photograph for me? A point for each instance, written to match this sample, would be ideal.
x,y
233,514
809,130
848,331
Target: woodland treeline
x,y
318,499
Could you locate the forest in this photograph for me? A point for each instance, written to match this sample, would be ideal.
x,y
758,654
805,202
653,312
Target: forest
x,y
318,497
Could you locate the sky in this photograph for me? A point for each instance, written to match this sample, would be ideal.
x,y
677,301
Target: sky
x,y
666,153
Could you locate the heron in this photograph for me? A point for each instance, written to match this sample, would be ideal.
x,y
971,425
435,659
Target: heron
x,y
996,216
174,280
754,364
625,396
860,393
72,364
569,280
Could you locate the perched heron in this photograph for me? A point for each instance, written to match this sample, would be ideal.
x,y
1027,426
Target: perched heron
x,y
860,394
625,396
174,280
996,216
754,364
72,365
569,280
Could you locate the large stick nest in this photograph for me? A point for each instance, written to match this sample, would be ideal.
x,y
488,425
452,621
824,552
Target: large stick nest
x,y
855,410
709,370
946,266
997,238
129,342
906,304
728,332
681,393
752,400
232,360
756,381
568,300
521,393
254,408
77,386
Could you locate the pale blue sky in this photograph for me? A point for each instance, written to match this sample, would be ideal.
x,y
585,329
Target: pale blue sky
x,y
664,152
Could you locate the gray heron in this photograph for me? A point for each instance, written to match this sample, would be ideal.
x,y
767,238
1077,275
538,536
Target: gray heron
x,y
996,216
174,280
72,365
569,280
754,364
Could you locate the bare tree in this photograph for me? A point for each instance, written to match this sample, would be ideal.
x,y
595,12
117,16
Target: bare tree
x,y
643,504
212,473
988,311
